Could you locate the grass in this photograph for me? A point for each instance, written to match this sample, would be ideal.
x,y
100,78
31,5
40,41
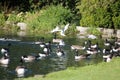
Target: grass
x,y
101,71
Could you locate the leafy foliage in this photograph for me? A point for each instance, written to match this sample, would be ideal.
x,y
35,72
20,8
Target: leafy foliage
x,y
49,17
100,13
2,19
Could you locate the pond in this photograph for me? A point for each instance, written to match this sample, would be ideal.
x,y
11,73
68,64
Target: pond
x,y
20,46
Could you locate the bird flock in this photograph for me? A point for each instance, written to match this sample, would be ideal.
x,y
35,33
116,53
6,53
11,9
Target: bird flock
x,y
47,49
110,49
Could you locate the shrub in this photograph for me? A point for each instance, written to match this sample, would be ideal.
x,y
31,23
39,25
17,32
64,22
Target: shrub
x,y
49,17
2,19
16,17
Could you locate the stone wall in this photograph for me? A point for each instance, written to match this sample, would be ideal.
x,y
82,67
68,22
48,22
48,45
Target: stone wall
x,y
105,32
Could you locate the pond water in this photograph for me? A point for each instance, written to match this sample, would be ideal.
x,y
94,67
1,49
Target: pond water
x,y
25,45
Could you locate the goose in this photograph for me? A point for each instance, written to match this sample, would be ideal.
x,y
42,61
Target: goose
x,y
117,42
116,50
107,51
6,49
62,43
42,45
107,58
5,59
56,40
92,51
78,47
60,53
107,43
28,58
20,70
94,46
49,45
40,56
80,57
46,50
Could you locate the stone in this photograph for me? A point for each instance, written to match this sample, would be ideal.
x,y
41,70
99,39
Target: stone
x,y
22,25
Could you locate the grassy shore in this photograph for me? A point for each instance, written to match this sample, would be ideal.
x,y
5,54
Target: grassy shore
x,y
101,71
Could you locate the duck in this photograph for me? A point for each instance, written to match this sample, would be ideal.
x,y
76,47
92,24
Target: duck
x,y
5,59
28,58
20,70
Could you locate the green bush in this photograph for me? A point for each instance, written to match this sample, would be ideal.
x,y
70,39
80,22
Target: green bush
x,y
2,19
116,21
49,17
16,17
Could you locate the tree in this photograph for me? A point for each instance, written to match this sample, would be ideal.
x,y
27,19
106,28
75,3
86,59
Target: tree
x,y
100,13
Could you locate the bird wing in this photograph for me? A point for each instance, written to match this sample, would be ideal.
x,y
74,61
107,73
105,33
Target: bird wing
x,y
66,27
55,29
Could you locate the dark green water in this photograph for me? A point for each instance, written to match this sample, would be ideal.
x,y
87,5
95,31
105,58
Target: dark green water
x,y
40,67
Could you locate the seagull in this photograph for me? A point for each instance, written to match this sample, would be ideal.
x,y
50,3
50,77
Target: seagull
x,y
56,29
62,31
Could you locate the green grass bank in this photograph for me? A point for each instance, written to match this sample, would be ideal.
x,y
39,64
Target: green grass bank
x,y
101,71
